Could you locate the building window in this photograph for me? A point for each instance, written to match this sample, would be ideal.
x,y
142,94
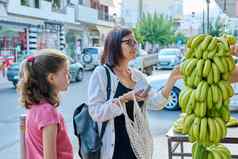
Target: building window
x,y
80,1
31,3
25,2
103,12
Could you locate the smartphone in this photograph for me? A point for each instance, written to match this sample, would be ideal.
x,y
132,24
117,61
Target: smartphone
x,y
142,87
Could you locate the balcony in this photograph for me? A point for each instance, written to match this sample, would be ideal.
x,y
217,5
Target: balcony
x,y
44,11
86,14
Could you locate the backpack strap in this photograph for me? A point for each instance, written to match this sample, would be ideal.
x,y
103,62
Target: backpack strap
x,y
104,124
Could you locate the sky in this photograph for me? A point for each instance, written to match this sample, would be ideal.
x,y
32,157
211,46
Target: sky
x,y
196,6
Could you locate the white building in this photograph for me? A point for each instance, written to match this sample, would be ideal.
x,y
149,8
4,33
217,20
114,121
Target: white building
x,y
45,23
133,10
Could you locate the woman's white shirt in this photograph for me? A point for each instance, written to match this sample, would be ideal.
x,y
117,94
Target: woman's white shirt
x,y
102,110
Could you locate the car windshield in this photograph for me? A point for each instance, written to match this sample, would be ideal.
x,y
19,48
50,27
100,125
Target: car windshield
x,y
169,52
91,50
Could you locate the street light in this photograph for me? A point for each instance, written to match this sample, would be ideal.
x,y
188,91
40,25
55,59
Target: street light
x,y
208,3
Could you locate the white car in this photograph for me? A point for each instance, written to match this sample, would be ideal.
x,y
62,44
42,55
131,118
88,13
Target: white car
x,y
90,57
158,81
169,57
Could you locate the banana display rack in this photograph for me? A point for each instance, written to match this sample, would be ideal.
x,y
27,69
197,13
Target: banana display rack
x,y
176,140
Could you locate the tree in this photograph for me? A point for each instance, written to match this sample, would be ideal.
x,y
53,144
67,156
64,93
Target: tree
x,y
155,29
217,28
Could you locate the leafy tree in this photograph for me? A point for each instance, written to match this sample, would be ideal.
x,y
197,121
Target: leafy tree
x,y
155,29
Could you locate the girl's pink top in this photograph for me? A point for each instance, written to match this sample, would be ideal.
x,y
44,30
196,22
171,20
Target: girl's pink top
x,y
38,117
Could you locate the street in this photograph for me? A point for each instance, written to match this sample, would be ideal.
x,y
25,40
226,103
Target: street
x,y
160,121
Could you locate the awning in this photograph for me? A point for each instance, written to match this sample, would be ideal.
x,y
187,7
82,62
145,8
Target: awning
x,y
107,2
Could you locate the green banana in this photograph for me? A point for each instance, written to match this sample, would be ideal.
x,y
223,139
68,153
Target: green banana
x,y
189,42
225,64
224,90
204,91
212,129
226,76
218,131
222,126
203,130
216,73
231,63
191,103
212,53
215,90
199,67
218,105
207,68
197,40
199,90
212,44
196,127
206,42
225,114
189,53
190,66
209,98
219,64
188,123
198,53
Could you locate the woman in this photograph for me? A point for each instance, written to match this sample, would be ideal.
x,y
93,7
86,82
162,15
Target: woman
x,y
120,48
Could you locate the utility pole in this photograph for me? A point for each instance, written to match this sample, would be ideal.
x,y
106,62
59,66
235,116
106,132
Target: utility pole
x,y
208,3
140,9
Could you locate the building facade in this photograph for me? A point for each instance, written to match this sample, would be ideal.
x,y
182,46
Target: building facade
x,y
28,25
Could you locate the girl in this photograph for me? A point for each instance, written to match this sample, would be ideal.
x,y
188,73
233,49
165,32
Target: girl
x,y
119,141
43,76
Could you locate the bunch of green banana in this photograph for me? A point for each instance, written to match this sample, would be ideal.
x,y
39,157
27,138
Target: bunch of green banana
x,y
233,122
206,71
218,151
178,124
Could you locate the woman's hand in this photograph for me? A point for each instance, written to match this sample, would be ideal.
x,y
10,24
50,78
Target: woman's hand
x,y
129,96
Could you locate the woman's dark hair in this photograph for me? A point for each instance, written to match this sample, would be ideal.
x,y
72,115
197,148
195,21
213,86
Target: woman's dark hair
x,y
112,53
33,85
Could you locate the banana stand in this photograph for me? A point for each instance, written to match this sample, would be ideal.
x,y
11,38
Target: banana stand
x,y
176,140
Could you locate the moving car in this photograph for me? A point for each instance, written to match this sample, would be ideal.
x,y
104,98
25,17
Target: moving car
x,y
75,68
169,57
90,57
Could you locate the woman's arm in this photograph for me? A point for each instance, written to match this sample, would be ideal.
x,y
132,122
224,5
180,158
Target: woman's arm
x,y
99,109
49,141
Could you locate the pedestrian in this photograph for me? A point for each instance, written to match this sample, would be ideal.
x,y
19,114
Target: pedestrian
x,y
43,76
127,134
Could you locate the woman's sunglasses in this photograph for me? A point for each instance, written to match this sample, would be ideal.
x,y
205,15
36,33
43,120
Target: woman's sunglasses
x,y
130,42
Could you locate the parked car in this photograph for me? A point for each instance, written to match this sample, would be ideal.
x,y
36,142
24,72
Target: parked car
x,y
75,68
169,57
90,57
158,81
144,61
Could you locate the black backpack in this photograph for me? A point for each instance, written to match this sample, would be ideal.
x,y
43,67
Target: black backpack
x,y
86,129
